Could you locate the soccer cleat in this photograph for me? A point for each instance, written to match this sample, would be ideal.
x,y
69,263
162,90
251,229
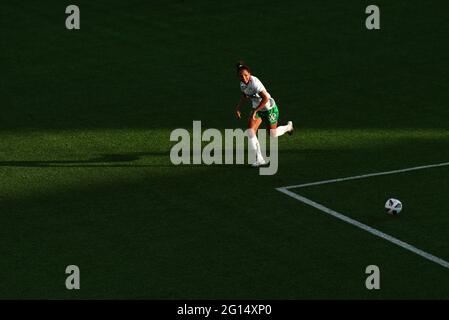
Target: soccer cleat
x,y
259,163
290,132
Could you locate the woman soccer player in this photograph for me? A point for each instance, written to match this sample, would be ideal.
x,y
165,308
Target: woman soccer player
x,y
264,108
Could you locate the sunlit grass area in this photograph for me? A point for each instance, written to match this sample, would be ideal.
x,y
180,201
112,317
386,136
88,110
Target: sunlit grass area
x,y
46,161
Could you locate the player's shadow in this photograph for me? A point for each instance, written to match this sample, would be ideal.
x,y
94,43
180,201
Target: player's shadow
x,y
106,160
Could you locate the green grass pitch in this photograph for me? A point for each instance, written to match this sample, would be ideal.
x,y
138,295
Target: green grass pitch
x,y
86,178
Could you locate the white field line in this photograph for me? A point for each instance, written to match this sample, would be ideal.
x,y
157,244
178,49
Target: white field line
x,y
366,176
360,225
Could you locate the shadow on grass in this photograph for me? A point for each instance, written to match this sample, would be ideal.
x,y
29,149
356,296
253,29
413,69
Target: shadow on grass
x,y
122,160
107,160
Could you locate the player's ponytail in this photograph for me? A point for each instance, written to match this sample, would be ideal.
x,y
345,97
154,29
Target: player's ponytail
x,y
241,66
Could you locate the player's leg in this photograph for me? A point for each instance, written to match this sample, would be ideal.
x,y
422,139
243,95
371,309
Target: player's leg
x,y
253,126
275,130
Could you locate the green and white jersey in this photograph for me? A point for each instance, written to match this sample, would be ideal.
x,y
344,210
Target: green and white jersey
x,y
252,90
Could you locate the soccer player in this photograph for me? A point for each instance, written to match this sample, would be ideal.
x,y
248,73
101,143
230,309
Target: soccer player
x,y
264,108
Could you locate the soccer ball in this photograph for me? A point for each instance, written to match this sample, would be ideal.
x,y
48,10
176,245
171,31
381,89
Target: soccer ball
x,y
393,206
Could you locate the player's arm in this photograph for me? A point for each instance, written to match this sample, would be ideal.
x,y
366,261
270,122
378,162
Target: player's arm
x,y
242,100
265,98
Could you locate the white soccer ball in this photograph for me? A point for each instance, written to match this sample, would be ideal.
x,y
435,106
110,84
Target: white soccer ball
x,y
393,206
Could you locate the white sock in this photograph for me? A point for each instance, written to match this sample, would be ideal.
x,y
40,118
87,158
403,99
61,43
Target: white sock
x,y
254,144
279,131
